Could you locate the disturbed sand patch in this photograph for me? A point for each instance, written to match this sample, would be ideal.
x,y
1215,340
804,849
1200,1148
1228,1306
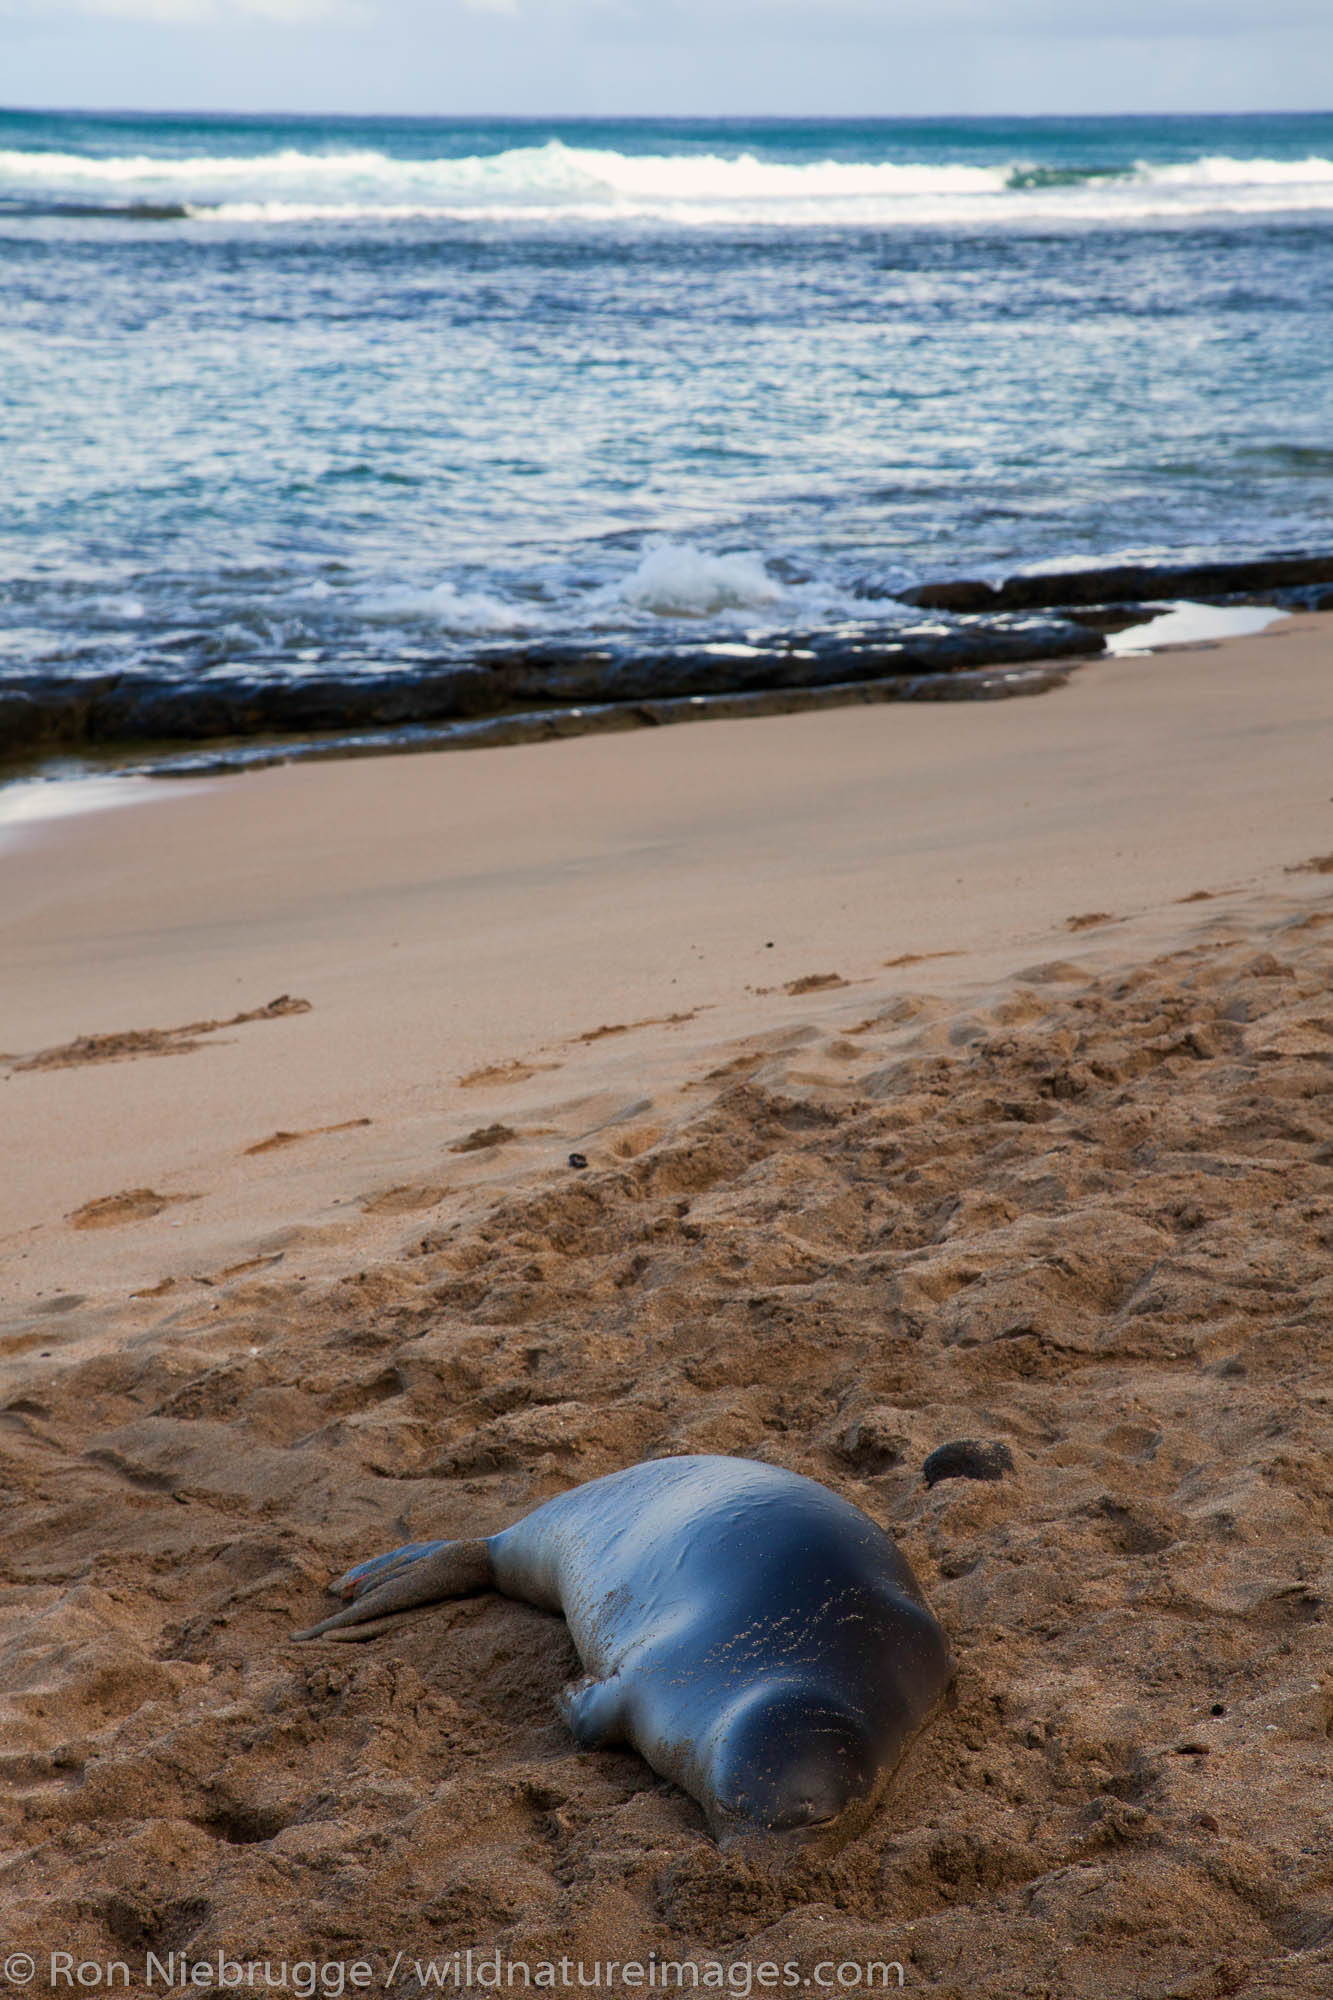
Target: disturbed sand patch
x,y
130,1043
406,1199
1087,1222
484,1138
494,1076
277,1140
130,1205
918,958
814,982
627,1027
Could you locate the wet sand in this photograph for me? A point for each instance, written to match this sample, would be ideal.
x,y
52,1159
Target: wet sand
x,y
940,1074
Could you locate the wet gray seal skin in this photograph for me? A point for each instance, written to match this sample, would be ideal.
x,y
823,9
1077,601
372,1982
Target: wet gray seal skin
x,y
757,1639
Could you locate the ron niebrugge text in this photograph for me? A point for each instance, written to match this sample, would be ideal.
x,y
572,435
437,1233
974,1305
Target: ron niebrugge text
x,y
460,1971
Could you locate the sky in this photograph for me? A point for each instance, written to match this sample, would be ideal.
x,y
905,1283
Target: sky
x,y
892,58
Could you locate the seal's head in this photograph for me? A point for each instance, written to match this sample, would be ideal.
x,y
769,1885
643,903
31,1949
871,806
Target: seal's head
x,y
786,1760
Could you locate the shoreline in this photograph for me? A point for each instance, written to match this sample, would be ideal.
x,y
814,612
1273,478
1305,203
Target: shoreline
x,y
983,641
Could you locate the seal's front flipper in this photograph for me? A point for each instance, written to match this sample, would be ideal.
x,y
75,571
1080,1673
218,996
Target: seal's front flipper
x,y
594,1711
447,1569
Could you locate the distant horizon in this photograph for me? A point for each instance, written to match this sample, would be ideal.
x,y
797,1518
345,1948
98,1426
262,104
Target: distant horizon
x,y
495,116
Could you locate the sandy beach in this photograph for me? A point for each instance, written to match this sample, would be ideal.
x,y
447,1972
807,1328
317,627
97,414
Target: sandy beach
x,y
939,1072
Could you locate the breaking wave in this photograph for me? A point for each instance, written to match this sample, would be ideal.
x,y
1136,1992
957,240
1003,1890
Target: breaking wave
x,y
555,181
447,606
678,580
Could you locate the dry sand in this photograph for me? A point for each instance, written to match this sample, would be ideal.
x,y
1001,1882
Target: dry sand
x,y
942,1073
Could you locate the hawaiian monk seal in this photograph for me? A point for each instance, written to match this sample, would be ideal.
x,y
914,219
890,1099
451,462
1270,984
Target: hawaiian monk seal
x,y
757,1639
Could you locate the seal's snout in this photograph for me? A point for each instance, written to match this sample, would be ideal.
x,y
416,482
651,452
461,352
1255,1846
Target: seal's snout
x,y
794,1761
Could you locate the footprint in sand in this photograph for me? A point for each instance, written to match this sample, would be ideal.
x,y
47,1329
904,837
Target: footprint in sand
x,y
403,1200
132,1042
1089,920
627,1145
814,982
738,1066
131,1205
494,1076
483,1138
627,1027
918,957
276,1139
247,1265
157,1291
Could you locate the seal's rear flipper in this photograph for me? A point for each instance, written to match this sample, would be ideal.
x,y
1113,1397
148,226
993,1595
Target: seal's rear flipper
x,y
447,1569
364,1576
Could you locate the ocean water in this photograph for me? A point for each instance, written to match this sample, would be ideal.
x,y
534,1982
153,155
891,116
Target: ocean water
x,y
284,395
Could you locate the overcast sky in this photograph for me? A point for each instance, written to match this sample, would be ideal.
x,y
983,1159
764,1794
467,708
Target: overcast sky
x,y
706,57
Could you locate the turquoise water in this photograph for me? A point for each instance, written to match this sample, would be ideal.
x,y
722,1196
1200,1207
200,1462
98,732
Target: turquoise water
x,y
277,395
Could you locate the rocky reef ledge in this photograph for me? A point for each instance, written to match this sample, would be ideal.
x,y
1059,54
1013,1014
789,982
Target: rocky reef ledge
x,y
507,687
1303,581
979,641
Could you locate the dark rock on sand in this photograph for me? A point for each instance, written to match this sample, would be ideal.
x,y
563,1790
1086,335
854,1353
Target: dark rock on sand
x,y
967,1458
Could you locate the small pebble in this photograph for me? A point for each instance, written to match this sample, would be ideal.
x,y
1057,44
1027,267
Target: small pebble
x,y
578,1159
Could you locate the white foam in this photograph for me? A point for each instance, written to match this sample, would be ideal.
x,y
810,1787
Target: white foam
x,y
554,170
446,605
1186,624
678,580
1217,170
29,802
555,182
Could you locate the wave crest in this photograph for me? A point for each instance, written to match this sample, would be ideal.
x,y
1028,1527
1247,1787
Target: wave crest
x,y
555,181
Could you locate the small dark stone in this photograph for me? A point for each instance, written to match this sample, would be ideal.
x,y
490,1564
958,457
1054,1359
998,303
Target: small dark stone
x,y
578,1159
1218,1708
967,1458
